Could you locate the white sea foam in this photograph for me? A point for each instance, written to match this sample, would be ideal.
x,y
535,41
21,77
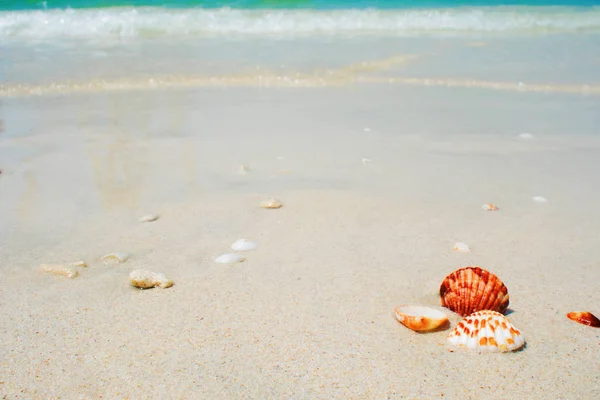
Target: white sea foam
x,y
134,22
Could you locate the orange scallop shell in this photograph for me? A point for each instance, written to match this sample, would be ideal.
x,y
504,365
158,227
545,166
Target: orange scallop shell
x,y
472,289
585,318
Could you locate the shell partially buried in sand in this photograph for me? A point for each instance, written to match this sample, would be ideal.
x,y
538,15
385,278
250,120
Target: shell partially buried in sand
x,y
67,270
585,318
230,258
149,218
419,318
119,257
486,331
461,247
146,279
271,204
489,207
472,289
244,245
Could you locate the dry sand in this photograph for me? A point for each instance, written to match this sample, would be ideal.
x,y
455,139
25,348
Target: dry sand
x,y
308,315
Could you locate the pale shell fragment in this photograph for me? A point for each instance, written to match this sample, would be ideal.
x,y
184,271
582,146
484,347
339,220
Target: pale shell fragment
x,y
230,258
461,247
539,199
486,331
67,270
271,203
119,257
489,207
149,218
146,279
244,245
419,318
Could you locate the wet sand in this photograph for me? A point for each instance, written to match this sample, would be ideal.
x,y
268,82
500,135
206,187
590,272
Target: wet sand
x,y
378,182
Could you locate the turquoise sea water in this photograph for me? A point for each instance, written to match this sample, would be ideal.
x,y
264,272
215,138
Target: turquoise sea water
x,y
253,4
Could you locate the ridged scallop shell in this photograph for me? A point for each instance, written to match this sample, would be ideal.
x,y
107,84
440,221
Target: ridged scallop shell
x,y
419,318
486,331
472,289
585,318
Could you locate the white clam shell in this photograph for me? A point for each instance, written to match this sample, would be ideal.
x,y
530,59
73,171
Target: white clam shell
x,y
461,247
149,218
244,245
230,258
539,199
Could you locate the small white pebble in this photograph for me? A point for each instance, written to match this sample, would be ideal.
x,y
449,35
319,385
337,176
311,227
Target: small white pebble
x,y
539,199
149,218
244,245
461,247
230,258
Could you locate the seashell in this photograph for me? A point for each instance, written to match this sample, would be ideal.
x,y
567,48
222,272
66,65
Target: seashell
x,y
149,218
243,170
585,318
244,245
472,289
146,279
486,331
66,270
419,318
489,207
539,199
119,257
271,203
230,258
461,247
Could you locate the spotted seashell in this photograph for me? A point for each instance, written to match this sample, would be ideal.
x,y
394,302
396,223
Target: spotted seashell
x,y
473,289
486,331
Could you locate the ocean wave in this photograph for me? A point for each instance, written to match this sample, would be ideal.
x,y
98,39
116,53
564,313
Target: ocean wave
x,y
147,22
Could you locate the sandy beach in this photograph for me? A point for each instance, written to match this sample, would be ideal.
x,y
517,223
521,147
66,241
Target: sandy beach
x,y
379,179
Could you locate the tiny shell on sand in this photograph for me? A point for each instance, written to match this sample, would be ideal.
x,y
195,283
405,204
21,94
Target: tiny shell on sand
x,y
119,257
68,270
271,204
147,279
461,247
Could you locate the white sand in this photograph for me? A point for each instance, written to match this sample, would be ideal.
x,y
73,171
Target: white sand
x,y
308,315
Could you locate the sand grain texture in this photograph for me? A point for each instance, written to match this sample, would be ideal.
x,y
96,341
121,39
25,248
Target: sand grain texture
x,y
308,315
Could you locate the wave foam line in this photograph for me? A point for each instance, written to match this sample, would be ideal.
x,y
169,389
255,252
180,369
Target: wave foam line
x,y
152,22
280,81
